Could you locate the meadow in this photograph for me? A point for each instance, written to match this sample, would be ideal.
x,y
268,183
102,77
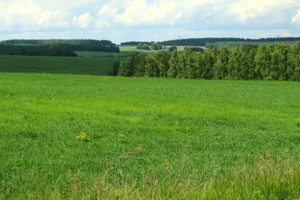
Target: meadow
x,y
61,65
98,137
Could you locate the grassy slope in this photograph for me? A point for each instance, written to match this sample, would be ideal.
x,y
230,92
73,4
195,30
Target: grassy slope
x,y
178,130
62,65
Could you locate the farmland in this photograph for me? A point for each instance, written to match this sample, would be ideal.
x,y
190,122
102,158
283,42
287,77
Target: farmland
x,y
94,63
146,137
62,65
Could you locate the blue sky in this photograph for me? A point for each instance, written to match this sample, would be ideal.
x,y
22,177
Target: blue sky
x,y
147,20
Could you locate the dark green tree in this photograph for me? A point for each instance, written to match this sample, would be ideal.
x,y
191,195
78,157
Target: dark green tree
x,y
173,65
126,67
263,62
220,69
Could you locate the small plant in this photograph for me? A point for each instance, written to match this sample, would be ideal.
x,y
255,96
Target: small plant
x,y
120,136
82,137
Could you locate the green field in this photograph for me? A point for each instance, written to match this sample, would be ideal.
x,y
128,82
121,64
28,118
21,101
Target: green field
x,y
61,65
94,63
147,138
141,51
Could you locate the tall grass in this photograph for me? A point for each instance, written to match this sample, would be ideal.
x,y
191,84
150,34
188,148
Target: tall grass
x,y
267,178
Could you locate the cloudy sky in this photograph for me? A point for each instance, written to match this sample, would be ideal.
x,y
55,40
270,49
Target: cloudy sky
x,y
145,20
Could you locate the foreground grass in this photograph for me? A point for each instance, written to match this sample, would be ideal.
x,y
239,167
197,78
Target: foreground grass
x,y
61,65
264,180
147,138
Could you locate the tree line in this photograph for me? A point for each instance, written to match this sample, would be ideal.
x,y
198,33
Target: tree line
x,y
53,42
146,46
229,45
203,41
134,43
267,62
54,50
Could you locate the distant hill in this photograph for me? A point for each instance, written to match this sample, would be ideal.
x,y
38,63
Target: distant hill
x,y
134,43
203,41
54,42
55,47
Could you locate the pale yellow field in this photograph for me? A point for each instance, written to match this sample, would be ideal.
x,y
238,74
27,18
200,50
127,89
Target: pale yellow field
x,y
181,48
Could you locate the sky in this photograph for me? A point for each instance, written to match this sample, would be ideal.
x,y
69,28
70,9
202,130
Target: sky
x,y
148,20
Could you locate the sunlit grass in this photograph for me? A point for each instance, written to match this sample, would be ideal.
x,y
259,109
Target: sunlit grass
x,y
147,138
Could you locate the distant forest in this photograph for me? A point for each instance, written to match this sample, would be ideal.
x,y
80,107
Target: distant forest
x,y
55,47
204,41
267,62
52,42
134,43
229,45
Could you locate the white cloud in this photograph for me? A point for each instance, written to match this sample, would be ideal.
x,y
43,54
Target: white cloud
x,y
195,13
274,10
245,10
296,18
140,12
135,15
105,15
83,21
28,15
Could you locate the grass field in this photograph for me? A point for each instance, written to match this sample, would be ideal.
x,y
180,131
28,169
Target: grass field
x,y
61,65
141,51
147,138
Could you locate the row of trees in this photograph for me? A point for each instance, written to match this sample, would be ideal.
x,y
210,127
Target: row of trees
x,y
229,45
134,43
49,50
267,62
146,46
54,42
143,46
203,41
36,51
156,46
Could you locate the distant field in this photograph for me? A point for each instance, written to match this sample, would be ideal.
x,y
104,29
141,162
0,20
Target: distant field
x,y
125,51
146,138
134,49
61,65
181,48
